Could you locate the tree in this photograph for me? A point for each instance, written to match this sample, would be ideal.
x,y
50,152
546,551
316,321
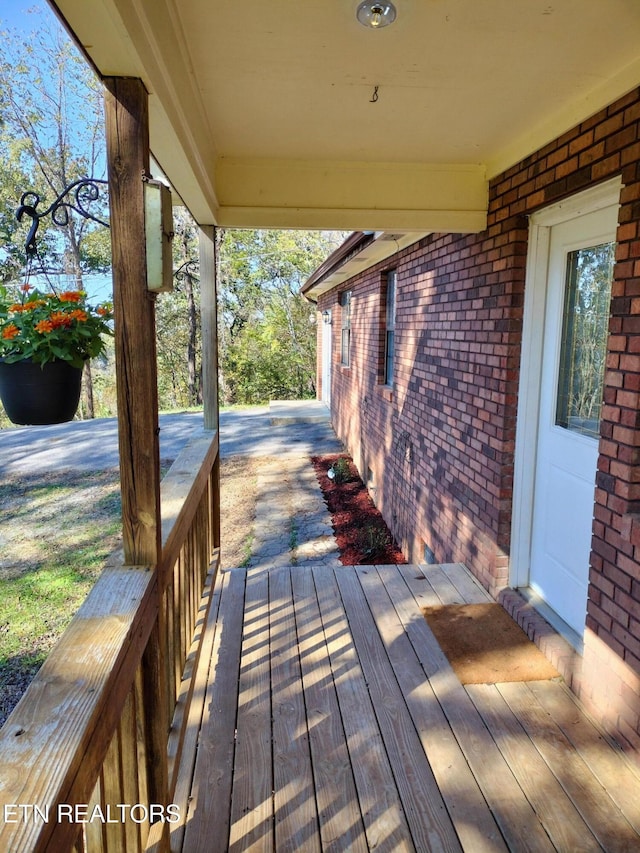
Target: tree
x,y
52,123
266,336
178,322
266,333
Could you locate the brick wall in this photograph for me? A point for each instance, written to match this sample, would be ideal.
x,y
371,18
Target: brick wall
x,y
441,446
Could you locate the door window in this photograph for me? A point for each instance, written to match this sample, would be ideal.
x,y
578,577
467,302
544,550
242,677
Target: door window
x,y
584,338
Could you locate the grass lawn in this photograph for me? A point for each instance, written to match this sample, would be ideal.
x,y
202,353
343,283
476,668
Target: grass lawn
x,y
56,532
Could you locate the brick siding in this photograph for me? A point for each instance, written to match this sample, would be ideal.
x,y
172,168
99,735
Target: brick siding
x,y
440,446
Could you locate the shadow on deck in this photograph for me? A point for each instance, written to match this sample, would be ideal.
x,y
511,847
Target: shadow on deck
x,y
325,717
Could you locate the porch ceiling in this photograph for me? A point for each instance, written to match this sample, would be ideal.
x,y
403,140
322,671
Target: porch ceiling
x,y
262,114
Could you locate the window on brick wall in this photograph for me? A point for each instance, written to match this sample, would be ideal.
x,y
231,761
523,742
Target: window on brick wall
x,y
345,322
390,326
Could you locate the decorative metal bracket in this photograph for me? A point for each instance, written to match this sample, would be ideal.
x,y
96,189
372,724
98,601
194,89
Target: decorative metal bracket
x,y
84,191
189,269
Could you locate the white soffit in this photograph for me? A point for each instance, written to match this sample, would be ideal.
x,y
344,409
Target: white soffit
x,y
283,114
383,246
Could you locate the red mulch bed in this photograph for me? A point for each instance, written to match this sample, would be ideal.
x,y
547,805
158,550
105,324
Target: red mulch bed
x,y
361,533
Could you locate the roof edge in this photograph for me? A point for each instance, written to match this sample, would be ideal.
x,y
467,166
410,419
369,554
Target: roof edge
x,y
354,243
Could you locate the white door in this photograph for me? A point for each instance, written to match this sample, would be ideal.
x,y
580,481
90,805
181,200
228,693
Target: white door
x,y
326,361
580,267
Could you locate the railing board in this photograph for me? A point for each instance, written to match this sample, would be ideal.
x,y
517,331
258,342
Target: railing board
x,y
181,492
141,747
130,788
182,716
54,745
154,692
182,761
74,700
112,791
172,662
92,832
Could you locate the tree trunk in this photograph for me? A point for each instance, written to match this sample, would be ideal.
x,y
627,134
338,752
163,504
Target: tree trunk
x,y
195,393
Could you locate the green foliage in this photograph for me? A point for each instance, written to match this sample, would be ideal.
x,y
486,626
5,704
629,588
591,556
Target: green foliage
x,y
373,540
48,326
342,470
179,346
266,329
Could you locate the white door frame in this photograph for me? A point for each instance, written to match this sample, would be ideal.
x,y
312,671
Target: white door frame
x,y
326,359
595,198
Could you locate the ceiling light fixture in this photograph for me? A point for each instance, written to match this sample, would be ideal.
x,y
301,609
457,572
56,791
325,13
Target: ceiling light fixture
x,y
376,15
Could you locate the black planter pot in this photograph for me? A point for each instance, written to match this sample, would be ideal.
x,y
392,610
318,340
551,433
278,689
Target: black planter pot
x,y
38,394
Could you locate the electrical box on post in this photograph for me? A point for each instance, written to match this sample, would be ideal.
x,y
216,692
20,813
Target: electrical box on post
x,y
158,221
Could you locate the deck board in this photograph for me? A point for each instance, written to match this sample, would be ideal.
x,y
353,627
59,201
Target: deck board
x,y
332,721
252,793
597,808
514,814
210,797
426,813
475,825
384,819
563,822
468,587
341,825
296,815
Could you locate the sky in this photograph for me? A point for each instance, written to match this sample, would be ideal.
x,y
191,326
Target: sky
x,y
15,14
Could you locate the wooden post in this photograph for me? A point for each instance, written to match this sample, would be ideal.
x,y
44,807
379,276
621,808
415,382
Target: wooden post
x,y
127,130
209,324
209,320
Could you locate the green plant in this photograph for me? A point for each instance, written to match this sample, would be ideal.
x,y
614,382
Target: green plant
x,y
373,540
341,470
247,546
48,326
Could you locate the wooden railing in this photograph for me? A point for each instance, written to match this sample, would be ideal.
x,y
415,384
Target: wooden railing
x,y
89,756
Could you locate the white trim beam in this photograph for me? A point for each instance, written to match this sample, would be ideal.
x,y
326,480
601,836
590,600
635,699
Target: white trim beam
x,y
351,196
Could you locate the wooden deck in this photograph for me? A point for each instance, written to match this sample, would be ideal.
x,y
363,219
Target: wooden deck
x,y
329,719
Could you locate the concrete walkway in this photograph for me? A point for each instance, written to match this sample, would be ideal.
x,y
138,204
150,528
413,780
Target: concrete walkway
x,y
293,524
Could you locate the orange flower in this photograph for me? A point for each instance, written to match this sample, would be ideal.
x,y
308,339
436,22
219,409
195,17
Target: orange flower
x,y
9,332
71,296
25,288
59,318
79,315
101,311
32,304
44,326
15,309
